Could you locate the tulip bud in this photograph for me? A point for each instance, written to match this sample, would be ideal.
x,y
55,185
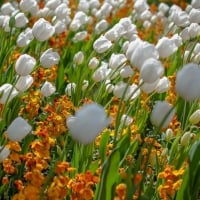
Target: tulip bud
x,y
163,85
168,134
70,89
188,82
78,58
116,60
93,63
7,93
24,83
18,129
62,11
7,8
87,123
20,20
162,114
42,30
4,153
85,85
60,27
185,139
24,65
101,26
195,3
49,58
126,120
25,37
47,89
195,117
126,72
79,36
102,44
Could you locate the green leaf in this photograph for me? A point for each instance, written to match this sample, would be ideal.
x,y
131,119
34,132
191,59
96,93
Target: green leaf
x,y
109,176
60,78
104,141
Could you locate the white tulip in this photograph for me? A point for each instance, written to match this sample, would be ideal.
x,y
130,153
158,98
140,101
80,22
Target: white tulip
x,y
195,3
18,129
42,30
126,72
149,87
24,83
62,11
162,114
53,4
116,60
28,6
185,139
169,134
8,92
85,85
25,37
195,117
49,58
194,30
166,47
102,44
194,15
93,63
163,85
101,26
20,20
4,153
87,123
47,89
163,7
80,36
188,82
70,89
78,58
180,18
141,5
151,70
126,120
24,65
60,27
7,8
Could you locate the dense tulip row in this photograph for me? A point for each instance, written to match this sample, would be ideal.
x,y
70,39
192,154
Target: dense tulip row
x,y
99,99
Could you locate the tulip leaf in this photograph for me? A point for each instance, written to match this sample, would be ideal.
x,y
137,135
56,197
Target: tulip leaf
x,y
103,144
60,79
109,176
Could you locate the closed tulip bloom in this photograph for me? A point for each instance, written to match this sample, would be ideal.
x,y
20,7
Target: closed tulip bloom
x,y
149,87
28,5
24,65
24,83
42,30
70,89
20,20
163,85
80,36
194,15
93,63
116,60
188,82
126,120
185,139
194,30
47,89
126,72
101,73
24,38
162,114
166,47
87,123
169,134
7,8
195,3
49,58
138,56
7,93
62,11
102,44
4,153
101,26
195,117
60,27
53,4
78,58
18,129
151,70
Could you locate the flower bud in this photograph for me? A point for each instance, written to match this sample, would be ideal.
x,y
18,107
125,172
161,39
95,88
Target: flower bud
x,y
126,120
101,26
195,117
49,58
24,65
116,60
7,8
87,123
126,72
70,89
185,139
162,114
7,93
168,134
93,63
24,83
18,129
85,85
78,58
163,85
42,30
